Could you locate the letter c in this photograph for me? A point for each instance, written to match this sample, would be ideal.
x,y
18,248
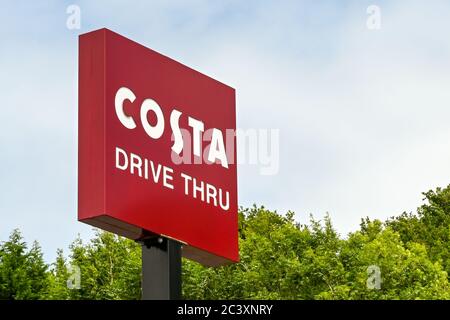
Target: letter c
x,y
122,95
234,308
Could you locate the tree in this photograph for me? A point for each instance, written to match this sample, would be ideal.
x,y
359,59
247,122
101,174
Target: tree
x,y
58,288
406,257
405,271
110,268
280,259
23,274
430,226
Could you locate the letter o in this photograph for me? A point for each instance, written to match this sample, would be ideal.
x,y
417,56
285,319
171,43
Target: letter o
x,y
157,130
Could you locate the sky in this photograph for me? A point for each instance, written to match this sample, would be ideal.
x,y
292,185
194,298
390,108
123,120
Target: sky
x,y
362,114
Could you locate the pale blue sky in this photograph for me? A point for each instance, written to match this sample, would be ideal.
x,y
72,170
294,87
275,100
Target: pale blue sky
x,y
363,115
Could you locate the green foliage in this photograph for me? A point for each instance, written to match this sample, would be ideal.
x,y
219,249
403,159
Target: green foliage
x,y
58,289
280,259
23,273
430,226
406,270
284,260
109,265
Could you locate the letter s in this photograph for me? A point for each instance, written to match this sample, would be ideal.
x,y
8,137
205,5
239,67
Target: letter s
x,y
122,95
178,138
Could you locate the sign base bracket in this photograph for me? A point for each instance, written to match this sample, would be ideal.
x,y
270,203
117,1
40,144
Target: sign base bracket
x,y
161,269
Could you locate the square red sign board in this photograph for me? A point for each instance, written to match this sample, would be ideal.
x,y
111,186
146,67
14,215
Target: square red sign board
x,y
125,203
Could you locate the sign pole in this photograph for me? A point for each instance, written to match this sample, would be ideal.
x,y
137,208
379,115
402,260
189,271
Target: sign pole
x,y
161,269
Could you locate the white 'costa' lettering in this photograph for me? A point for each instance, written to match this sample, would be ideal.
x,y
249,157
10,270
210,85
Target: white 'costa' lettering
x,y
216,150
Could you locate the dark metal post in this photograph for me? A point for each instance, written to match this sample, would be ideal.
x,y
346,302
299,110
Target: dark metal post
x,y
161,269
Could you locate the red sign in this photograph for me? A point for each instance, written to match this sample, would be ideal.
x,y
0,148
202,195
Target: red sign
x,y
156,153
